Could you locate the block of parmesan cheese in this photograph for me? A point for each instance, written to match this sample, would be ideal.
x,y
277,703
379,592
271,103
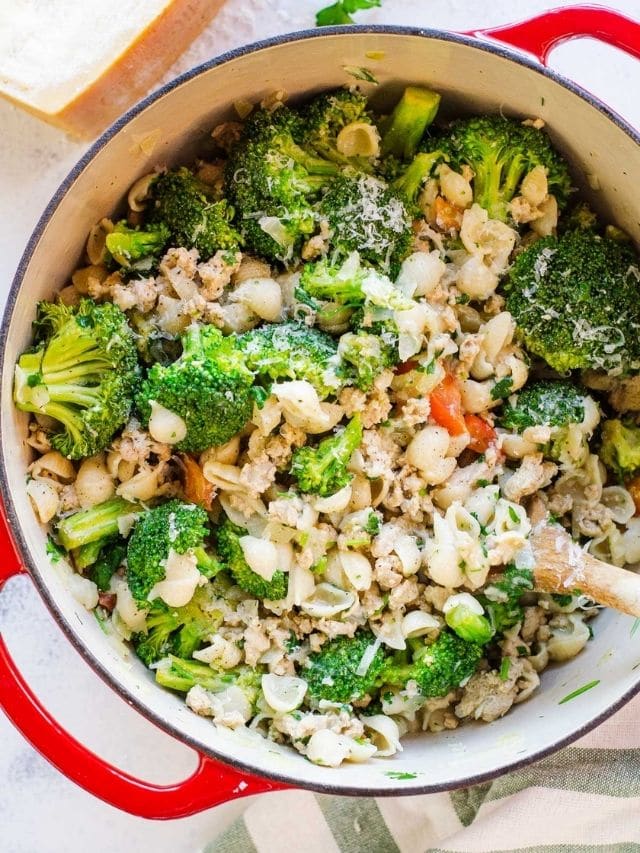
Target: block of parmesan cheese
x,y
80,63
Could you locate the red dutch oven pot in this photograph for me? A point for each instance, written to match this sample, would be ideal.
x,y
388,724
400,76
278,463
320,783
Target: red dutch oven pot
x,y
214,782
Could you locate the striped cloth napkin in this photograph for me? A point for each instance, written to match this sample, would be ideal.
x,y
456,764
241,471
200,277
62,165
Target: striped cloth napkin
x,y
585,798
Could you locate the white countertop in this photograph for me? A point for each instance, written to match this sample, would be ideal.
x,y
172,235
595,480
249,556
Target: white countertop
x,y
40,810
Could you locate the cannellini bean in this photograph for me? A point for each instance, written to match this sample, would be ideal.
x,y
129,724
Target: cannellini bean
x,y
534,186
94,484
283,693
384,733
261,556
44,498
475,279
421,273
455,188
417,623
546,223
357,569
262,296
165,426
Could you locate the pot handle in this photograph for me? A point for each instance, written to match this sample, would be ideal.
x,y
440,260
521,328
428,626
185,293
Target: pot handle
x,y
210,784
540,34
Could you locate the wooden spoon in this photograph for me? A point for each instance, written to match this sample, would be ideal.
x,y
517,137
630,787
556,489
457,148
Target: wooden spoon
x,y
562,566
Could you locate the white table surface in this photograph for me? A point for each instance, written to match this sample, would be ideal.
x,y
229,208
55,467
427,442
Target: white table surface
x,y
40,810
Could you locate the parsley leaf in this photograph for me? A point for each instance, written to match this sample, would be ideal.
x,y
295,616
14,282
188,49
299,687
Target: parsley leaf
x,y
340,12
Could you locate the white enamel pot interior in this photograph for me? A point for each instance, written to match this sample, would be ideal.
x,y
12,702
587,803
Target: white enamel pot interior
x,y
471,78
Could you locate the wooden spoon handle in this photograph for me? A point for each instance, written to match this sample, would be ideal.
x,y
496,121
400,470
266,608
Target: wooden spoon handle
x,y
562,566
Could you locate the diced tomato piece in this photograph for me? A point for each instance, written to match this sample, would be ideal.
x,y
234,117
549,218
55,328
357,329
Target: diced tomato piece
x,y
405,367
446,406
448,216
197,488
633,487
482,433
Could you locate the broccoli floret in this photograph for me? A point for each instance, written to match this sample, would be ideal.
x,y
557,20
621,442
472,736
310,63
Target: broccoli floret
x,y
177,630
82,372
172,526
293,351
98,524
469,625
108,562
575,301
322,470
231,553
581,217
209,387
545,403
352,284
274,183
135,249
364,356
326,116
337,672
405,127
181,675
501,152
368,216
408,181
620,448
501,599
180,202
437,667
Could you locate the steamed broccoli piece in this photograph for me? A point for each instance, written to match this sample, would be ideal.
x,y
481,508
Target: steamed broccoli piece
x,y
274,183
180,203
408,182
501,152
230,552
575,302
437,668
82,372
552,403
109,560
620,448
172,526
326,116
364,356
209,387
333,672
96,524
292,351
469,625
580,217
368,216
177,630
405,127
322,470
181,675
501,599
134,249
352,284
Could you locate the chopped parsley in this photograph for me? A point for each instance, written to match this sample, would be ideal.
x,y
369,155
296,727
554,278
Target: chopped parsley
x,y
505,666
340,12
373,524
361,73
579,691
54,551
513,515
400,775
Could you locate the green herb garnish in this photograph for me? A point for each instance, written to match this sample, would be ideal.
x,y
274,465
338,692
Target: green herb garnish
x,y
579,691
340,12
